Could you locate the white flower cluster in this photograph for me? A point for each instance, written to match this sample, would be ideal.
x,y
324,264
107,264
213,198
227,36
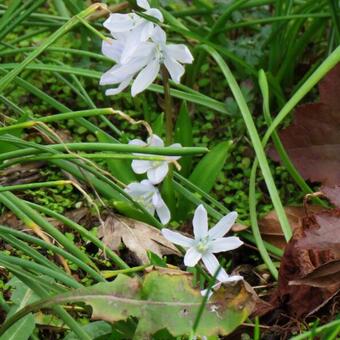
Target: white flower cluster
x,y
139,48
145,192
206,243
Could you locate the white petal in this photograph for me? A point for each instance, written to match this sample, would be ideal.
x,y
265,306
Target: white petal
x,y
107,78
131,45
140,166
222,276
159,36
233,278
157,174
154,12
163,213
119,72
143,4
177,146
180,53
157,200
176,70
112,49
145,78
225,244
117,22
214,287
223,226
211,263
177,238
200,222
137,142
154,140
121,87
192,256
146,30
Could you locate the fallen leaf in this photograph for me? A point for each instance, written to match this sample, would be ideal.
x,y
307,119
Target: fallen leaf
x,y
164,300
332,193
313,245
325,275
326,236
270,227
312,141
137,236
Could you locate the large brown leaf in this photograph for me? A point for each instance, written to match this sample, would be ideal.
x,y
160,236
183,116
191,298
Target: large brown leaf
x,y
270,227
137,236
308,258
313,139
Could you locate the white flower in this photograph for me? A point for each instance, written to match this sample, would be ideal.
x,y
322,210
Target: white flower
x,y
139,29
206,242
150,198
171,55
144,63
155,170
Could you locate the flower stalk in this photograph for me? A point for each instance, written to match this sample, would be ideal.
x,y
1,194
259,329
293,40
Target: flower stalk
x,y
169,123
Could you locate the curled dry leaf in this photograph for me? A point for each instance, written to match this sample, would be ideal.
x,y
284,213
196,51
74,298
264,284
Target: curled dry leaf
x,y
137,236
309,256
270,226
332,193
312,141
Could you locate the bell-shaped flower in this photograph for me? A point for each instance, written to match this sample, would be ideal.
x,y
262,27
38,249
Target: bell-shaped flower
x,y
138,28
206,242
150,198
155,170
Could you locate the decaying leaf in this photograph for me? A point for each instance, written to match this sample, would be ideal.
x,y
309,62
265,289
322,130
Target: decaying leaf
x,y
271,230
137,236
308,257
312,141
165,299
325,275
332,193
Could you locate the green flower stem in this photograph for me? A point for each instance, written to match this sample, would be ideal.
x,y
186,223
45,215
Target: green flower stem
x,y
256,142
5,231
111,273
30,265
34,185
47,157
34,220
34,284
166,151
311,334
168,108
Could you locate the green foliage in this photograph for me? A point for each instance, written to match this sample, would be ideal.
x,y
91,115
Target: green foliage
x,y
163,299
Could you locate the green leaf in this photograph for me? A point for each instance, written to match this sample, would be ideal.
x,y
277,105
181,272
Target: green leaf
x,y
158,125
164,299
207,170
119,168
21,296
94,329
183,135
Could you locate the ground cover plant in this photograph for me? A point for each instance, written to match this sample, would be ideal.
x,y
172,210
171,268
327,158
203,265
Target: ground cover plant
x,y
169,169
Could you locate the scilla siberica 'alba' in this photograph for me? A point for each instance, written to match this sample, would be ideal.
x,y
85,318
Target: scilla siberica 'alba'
x,y
155,170
149,196
207,242
139,49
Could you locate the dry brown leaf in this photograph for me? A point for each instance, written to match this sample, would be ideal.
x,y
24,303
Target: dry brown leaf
x,y
325,275
312,141
270,228
313,245
137,236
332,193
